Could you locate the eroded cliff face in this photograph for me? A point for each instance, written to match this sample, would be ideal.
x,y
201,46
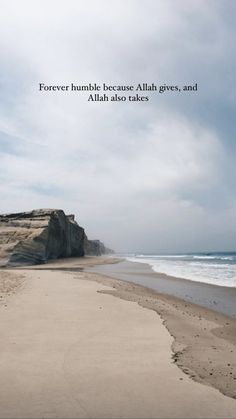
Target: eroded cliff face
x,y
95,248
34,237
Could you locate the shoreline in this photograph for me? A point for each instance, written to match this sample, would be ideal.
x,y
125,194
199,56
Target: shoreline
x,y
202,340
197,331
187,346
218,298
183,319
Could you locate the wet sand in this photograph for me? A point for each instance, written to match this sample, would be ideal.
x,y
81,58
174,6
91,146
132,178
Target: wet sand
x,y
70,349
204,339
221,299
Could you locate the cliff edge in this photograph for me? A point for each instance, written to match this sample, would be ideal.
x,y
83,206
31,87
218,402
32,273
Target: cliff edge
x,y
34,237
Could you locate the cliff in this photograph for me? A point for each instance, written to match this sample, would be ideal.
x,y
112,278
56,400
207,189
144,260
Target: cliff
x,y
95,248
34,237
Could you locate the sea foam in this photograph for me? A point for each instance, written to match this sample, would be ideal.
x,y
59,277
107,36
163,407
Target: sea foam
x,y
217,268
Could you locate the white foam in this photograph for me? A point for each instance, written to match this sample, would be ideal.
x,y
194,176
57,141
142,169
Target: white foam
x,y
213,257
221,274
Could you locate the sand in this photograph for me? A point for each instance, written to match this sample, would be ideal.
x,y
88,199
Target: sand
x,y
71,349
217,298
204,340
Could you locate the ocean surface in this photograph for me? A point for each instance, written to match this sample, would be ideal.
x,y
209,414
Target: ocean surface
x,y
210,268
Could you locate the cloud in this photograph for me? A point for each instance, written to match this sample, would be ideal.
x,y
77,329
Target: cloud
x,y
155,176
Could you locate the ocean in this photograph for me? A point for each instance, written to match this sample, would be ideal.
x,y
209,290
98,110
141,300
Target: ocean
x,y
211,268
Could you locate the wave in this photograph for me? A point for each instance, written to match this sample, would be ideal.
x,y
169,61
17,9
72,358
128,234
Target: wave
x,y
207,271
162,256
189,257
214,257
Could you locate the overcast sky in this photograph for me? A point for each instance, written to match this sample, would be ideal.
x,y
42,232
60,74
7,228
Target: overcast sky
x,y
156,176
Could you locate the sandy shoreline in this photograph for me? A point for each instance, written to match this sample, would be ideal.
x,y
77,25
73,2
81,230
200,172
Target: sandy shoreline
x,y
120,358
218,298
204,339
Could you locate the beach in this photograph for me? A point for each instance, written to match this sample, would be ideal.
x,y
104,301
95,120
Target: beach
x,y
79,343
218,298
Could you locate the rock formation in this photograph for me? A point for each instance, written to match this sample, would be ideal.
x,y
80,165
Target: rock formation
x,y
95,248
34,237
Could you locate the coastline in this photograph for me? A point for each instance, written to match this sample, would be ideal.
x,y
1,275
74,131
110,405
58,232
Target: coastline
x,y
204,340
199,341
218,298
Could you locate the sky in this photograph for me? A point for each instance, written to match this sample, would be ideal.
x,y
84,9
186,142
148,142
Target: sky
x,y
155,176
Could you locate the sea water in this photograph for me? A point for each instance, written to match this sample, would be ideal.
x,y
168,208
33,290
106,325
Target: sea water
x,y
211,268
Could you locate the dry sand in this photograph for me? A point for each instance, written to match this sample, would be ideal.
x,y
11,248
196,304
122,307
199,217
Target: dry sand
x,y
69,351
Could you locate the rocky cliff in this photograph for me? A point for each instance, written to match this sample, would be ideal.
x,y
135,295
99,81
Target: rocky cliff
x,y
34,237
95,247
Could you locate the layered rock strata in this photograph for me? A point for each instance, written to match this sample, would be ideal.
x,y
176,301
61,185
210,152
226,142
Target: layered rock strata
x,y
34,237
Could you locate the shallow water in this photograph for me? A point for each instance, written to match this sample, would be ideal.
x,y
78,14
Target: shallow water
x,y
210,268
218,298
